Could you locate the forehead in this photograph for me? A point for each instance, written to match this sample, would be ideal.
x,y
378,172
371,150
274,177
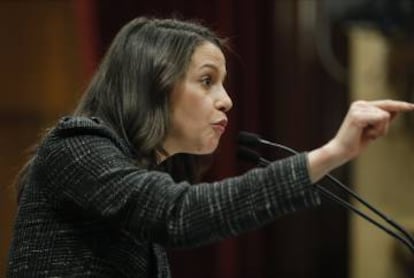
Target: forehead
x,y
207,53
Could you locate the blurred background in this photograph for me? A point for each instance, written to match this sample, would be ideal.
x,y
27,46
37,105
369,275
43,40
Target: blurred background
x,y
294,67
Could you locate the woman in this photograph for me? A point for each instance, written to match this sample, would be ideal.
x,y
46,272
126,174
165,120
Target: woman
x,y
93,199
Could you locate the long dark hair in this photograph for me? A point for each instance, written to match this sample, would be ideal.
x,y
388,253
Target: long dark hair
x,y
130,90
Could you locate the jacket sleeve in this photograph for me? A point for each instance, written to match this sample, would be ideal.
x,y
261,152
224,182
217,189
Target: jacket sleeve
x,y
91,174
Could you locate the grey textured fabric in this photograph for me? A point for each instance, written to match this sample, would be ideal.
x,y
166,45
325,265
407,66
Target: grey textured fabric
x,y
87,210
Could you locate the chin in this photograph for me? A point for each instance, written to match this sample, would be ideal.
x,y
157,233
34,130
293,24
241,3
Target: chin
x,y
207,148
211,149
204,151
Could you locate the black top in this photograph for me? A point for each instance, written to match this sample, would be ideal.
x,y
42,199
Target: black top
x,y
87,210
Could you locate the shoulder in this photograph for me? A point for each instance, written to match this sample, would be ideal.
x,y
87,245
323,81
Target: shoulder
x,y
77,126
81,130
80,146
75,139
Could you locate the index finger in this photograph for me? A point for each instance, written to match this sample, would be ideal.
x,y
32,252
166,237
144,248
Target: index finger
x,y
393,105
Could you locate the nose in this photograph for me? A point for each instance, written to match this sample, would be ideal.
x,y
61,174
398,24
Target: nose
x,y
224,102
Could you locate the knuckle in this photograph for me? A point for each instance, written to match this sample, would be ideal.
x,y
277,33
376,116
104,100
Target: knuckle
x,y
359,103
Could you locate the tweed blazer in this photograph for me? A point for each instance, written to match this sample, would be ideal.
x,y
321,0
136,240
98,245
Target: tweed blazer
x,y
88,210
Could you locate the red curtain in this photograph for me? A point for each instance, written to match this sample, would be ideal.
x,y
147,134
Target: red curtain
x,y
87,28
277,93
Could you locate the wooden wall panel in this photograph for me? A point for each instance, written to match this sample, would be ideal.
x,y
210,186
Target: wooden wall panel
x,y
384,173
40,80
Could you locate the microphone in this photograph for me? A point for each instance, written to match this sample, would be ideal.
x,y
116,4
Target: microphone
x,y
253,140
252,156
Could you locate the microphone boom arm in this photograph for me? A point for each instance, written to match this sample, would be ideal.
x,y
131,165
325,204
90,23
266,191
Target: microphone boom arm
x,y
405,237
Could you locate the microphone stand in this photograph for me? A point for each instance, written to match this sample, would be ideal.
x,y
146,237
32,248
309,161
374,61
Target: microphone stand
x,y
252,139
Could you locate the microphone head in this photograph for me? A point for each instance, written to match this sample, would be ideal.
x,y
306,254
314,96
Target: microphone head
x,y
248,155
248,139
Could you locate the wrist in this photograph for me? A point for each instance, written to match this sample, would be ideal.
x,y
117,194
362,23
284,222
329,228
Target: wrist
x,y
324,159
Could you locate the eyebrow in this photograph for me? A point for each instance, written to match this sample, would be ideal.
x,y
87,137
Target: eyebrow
x,y
214,67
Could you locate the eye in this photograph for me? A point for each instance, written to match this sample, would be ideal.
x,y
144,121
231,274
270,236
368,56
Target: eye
x,y
206,81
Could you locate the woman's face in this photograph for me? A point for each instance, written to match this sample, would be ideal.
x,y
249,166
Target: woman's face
x,y
199,104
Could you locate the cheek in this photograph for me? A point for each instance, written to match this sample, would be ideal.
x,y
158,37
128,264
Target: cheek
x,y
191,126
194,111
